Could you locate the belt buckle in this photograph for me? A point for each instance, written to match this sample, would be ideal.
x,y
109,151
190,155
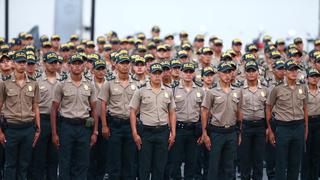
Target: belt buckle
x,y
226,126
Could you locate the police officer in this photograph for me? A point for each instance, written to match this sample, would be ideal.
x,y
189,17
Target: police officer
x,y
188,97
76,98
140,70
20,96
156,105
98,155
278,77
223,103
5,67
253,102
45,156
115,96
311,160
288,101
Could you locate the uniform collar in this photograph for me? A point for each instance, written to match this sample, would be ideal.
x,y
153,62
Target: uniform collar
x,y
83,79
181,86
286,83
118,81
13,77
219,87
45,77
149,85
245,84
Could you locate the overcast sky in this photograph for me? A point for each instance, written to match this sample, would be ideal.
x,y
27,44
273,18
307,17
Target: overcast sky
x,y
227,19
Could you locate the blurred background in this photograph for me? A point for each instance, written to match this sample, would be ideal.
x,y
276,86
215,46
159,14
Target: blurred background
x,y
227,19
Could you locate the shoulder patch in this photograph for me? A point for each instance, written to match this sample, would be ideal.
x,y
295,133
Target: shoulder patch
x,y
5,78
213,85
142,85
110,78
279,83
32,78
63,76
175,84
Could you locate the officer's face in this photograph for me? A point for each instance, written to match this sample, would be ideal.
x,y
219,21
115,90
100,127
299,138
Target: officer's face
x,y
5,64
317,65
299,46
183,59
139,68
292,73
65,54
20,67
89,65
252,75
206,57
156,77
317,47
208,79
31,68
280,72
55,42
90,49
217,47
100,72
51,67
77,67
188,75
237,47
225,76
313,80
296,58
281,47
123,67
161,54
175,72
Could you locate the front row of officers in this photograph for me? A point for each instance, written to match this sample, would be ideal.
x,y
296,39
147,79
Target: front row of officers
x,y
76,128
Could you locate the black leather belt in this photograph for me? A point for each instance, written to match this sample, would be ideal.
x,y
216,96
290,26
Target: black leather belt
x,y
289,123
254,123
186,125
20,125
74,121
155,128
223,129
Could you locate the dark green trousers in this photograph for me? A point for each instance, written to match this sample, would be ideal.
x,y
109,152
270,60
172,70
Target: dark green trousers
x,y
44,163
18,151
270,157
311,158
122,151
74,151
153,153
98,158
289,148
184,150
252,152
222,155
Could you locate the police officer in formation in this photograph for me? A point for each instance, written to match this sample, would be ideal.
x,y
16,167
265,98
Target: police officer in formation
x,y
138,108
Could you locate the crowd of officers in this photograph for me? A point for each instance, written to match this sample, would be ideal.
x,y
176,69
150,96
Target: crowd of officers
x,y
138,108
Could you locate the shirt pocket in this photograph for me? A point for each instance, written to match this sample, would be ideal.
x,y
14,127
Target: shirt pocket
x,y
12,98
284,98
85,95
179,100
116,95
300,99
146,103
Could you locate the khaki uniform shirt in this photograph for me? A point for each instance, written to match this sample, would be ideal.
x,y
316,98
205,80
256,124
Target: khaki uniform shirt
x,y
253,103
18,101
188,104
46,93
154,107
118,97
223,106
75,100
314,103
288,103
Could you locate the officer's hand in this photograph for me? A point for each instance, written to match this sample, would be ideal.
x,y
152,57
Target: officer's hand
x,y
93,139
55,140
207,141
199,141
239,139
272,139
35,138
137,140
105,132
171,140
2,138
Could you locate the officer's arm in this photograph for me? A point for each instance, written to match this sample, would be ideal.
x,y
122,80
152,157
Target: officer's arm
x,y
93,106
268,114
204,119
305,110
102,96
172,120
35,109
53,117
133,120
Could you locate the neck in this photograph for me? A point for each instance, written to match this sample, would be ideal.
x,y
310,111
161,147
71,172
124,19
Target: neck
x,y
141,76
99,80
76,78
291,82
253,83
123,76
50,74
155,85
19,76
224,85
187,84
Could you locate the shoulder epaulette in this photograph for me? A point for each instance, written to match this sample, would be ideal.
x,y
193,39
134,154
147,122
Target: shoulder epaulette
x,y
279,82
89,78
142,85
175,84
38,74
110,78
198,83
32,78
237,84
213,85
5,78
264,83
133,77
63,76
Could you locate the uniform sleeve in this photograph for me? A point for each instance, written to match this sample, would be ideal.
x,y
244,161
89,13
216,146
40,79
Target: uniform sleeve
x,y
2,92
57,93
93,96
207,100
172,104
271,100
36,94
105,92
135,100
